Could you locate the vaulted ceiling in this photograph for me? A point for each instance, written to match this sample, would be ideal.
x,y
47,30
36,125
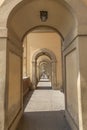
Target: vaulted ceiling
x,y
26,16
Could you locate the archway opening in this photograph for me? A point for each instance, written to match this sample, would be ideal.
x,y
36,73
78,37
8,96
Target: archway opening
x,y
59,14
44,68
44,48
43,72
52,57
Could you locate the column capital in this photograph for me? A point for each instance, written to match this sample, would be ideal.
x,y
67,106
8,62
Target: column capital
x,y
3,32
53,61
33,61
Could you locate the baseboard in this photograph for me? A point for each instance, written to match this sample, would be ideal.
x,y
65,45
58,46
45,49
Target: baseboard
x,y
16,121
70,121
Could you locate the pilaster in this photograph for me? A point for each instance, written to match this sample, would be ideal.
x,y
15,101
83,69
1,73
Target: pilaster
x,y
3,49
34,74
82,47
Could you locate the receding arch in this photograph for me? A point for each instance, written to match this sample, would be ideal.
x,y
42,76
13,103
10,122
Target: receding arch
x,y
52,57
61,9
46,52
44,28
46,62
42,62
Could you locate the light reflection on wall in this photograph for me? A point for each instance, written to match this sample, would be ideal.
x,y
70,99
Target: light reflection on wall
x,y
1,2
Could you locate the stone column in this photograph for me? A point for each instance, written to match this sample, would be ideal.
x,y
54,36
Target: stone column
x,y
75,83
34,82
38,72
54,76
3,47
82,47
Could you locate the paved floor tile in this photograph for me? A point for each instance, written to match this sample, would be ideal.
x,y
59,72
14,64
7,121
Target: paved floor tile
x,y
44,111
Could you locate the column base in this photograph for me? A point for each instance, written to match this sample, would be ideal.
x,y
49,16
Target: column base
x,y
70,121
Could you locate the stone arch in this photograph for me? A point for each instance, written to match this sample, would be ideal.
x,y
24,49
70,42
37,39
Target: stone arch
x,y
23,27
52,56
46,52
47,62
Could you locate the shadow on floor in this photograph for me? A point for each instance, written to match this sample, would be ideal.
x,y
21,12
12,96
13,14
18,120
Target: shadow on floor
x,y
43,88
27,98
44,81
30,93
44,120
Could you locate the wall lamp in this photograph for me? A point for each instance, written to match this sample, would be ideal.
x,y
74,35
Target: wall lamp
x,y
43,16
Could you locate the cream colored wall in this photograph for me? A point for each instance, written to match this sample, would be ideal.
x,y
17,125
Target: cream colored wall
x,y
71,83
14,94
72,86
83,78
51,41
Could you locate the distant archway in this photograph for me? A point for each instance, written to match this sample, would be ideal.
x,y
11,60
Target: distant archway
x,y
49,67
52,56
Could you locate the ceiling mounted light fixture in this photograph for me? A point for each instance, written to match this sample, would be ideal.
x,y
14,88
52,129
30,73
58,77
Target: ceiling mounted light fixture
x,y
43,16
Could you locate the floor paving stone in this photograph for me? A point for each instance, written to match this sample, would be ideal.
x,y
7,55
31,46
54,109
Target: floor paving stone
x,y
44,111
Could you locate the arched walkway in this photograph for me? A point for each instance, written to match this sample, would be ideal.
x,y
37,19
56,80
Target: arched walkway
x,y
51,55
19,21
17,18
47,65
43,111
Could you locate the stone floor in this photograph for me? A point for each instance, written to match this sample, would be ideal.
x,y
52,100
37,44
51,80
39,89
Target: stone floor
x,y
45,110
